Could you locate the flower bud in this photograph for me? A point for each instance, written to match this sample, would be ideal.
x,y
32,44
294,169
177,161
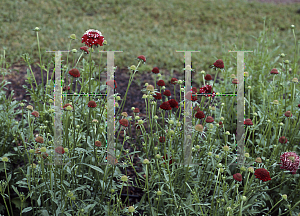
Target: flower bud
x,y
104,42
295,80
292,27
155,117
244,198
133,67
246,74
74,50
171,122
5,159
146,161
227,133
282,55
219,165
247,155
226,148
284,196
157,156
251,169
243,169
286,62
209,153
124,178
131,209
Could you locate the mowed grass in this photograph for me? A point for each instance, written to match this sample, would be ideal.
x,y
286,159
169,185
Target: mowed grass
x,y
154,28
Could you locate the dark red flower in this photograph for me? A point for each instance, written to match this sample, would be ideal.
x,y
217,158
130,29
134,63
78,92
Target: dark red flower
x,y
141,57
157,96
92,37
194,90
173,103
220,124
209,119
167,93
219,64
290,161
92,104
39,139
170,161
288,114
85,49
59,150
238,177
174,81
274,71
124,122
35,113
162,139
192,95
136,110
299,105
283,139
165,106
161,83
98,143
112,83
74,72
208,77
248,122
207,89
155,70
67,104
262,174
200,115
66,87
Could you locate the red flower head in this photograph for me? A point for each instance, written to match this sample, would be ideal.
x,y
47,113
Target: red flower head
x,y
192,96
124,122
173,103
170,161
283,139
92,104
167,93
157,96
235,81
209,119
274,71
92,37
219,64
141,57
248,122
165,106
85,49
112,83
74,72
208,77
194,90
35,113
200,115
161,83
238,177
155,70
174,81
290,161
66,88
59,150
162,139
288,114
262,174
136,110
98,143
299,105
207,89
67,104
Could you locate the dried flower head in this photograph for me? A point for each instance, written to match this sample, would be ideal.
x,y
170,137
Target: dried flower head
x,y
35,113
199,128
39,139
258,160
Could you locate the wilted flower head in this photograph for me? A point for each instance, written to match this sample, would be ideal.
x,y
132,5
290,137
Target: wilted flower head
x,y
199,128
235,81
85,49
92,37
98,143
209,119
290,161
29,107
288,114
35,113
39,139
258,160
150,88
59,150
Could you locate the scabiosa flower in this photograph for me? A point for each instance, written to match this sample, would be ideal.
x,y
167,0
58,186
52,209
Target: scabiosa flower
x,y
155,70
67,104
235,81
207,89
92,37
161,83
167,93
174,81
142,57
199,128
150,88
124,122
219,64
157,96
238,177
85,49
124,114
112,83
165,106
274,71
173,103
283,139
209,119
162,139
59,150
262,174
98,143
290,161
194,90
248,122
220,124
136,110
92,104
170,161
288,114
190,96
74,72
200,115
39,139
258,160
208,77
35,113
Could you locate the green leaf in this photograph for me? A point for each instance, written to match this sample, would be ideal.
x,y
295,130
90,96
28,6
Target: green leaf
x,y
28,209
93,167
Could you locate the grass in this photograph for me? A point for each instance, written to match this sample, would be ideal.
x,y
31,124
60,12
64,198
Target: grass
x,y
209,186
